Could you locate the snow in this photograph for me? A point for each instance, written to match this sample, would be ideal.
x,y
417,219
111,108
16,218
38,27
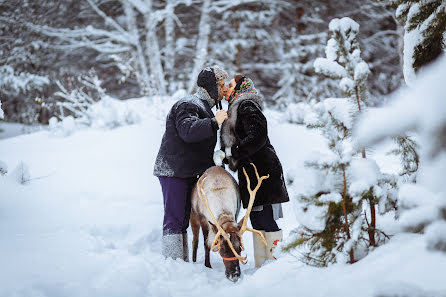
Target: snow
x,y
409,108
420,109
361,71
364,173
411,40
343,24
300,113
88,222
421,205
335,197
347,85
15,83
329,68
340,109
436,236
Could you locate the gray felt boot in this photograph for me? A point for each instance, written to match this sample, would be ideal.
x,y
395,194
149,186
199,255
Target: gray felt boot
x,y
172,246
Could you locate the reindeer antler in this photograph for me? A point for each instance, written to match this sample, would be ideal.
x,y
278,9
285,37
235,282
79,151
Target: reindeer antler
x,y
252,196
221,232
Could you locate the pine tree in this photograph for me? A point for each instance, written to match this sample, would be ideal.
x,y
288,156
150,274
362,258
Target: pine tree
x,y
299,82
352,189
247,42
425,28
407,150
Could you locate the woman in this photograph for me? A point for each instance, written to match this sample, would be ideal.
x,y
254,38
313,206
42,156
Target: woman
x,y
244,137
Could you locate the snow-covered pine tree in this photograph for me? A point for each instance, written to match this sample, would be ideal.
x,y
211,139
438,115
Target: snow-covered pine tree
x,y
424,36
300,44
299,82
350,186
247,44
421,205
407,150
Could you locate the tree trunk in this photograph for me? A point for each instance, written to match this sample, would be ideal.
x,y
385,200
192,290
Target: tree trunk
x,y
201,52
169,28
153,51
344,209
372,228
143,73
238,56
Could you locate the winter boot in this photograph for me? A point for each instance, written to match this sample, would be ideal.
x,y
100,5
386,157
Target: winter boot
x,y
259,249
172,246
272,239
185,248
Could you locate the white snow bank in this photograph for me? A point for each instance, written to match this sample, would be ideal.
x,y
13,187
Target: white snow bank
x,y
89,224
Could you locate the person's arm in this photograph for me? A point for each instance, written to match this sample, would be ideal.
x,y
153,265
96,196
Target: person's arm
x,y
190,127
255,126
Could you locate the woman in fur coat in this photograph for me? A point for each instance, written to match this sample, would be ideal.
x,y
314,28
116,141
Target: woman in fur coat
x,y
244,138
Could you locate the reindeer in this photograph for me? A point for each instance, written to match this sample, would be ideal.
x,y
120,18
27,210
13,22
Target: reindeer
x,y
214,205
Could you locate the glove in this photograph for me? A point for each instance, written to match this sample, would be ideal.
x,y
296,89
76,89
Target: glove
x,y
228,152
218,157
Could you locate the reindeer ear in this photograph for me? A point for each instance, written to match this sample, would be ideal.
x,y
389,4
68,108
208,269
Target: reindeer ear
x,y
214,228
240,223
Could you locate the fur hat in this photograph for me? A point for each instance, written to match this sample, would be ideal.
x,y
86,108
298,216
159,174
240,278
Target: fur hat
x,y
208,78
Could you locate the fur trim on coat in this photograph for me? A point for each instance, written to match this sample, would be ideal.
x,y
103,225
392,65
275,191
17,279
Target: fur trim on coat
x,y
246,133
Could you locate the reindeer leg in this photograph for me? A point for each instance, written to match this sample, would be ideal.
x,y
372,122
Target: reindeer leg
x,y
207,248
195,225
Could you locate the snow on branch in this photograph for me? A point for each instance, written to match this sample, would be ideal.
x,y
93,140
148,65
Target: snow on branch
x,y
329,68
101,40
78,100
107,19
12,83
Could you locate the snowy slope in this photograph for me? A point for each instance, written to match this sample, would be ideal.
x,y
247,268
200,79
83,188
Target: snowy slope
x,y
89,224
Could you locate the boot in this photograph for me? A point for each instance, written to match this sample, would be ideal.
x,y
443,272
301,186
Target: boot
x,y
272,239
185,248
259,249
172,246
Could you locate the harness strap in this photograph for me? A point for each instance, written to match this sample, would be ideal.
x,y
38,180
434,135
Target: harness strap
x,y
230,259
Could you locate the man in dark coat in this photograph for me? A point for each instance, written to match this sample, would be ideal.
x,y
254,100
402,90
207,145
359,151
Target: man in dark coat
x,y
244,136
186,152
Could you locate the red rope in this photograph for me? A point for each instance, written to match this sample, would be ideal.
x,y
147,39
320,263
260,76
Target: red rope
x,y
230,259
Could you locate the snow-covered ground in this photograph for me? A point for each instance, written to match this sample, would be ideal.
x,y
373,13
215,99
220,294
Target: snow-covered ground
x,y
8,130
88,223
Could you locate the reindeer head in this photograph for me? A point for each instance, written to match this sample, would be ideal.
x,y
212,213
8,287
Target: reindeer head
x,y
228,239
230,259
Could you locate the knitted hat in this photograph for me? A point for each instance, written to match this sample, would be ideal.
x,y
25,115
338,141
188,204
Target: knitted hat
x,y
208,78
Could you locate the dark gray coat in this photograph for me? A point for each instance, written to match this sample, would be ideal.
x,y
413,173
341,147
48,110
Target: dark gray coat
x,y
246,132
188,143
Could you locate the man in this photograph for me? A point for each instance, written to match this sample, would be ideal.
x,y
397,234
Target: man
x,y
186,152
